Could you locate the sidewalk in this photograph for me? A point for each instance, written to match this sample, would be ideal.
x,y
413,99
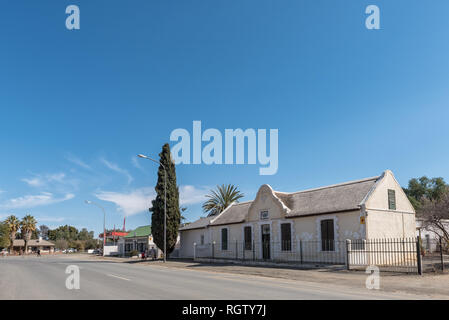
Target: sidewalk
x,y
433,285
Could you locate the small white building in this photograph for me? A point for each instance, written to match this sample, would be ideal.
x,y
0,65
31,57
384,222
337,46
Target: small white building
x,y
33,245
140,240
430,235
195,232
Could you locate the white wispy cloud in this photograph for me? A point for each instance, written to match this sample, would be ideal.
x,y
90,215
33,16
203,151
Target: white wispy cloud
x,y
129,203
116,168
139,200
33,182
189,194
39,219
40,180
50,219
31,201
78,162
136,163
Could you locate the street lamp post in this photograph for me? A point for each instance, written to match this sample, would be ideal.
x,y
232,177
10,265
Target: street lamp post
x,y
165,202
104,220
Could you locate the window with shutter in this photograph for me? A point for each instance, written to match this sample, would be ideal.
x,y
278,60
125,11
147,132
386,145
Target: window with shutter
x,y
391,199
327,235
224,239
286,237
248,238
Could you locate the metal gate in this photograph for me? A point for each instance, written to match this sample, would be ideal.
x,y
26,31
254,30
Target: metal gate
x,y
396,254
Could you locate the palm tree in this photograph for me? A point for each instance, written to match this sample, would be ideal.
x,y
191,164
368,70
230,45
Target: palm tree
x,y
27,226
13,226
221,198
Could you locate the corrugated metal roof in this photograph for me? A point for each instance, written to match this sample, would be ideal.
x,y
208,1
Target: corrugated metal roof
x,y
142,231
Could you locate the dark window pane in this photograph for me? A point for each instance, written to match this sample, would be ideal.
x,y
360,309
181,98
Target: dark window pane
x,y
286,237
391,199
248,240
224,239
327,235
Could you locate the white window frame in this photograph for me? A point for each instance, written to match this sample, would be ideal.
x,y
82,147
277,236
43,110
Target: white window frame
x,y
260,215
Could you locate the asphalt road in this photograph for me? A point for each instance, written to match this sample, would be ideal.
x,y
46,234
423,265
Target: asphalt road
x,y
45,278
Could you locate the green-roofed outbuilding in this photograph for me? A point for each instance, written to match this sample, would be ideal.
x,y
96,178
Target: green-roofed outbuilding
x,y
139,239
143,231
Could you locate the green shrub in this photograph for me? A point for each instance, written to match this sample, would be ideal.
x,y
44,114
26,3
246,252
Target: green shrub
x,y
134,253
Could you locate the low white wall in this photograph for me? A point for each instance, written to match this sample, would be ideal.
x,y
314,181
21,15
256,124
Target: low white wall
x,y
110,250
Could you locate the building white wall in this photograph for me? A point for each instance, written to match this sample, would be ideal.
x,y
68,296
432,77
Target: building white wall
x,y
383,222
430,235
374,220
378,199
189,237
111,250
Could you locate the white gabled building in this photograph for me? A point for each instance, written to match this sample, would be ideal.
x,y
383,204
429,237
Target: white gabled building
x,y
370,208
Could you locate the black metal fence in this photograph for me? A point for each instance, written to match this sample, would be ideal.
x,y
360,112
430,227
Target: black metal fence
x,y
398,255
435,254
298,252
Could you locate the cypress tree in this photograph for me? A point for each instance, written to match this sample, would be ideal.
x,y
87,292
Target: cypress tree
x,y
173,212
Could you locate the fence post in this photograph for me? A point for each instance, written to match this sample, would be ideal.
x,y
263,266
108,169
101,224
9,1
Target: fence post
x,y
254,250
194,251
300,251
441,255
236,250
348,250
404,259
367,251
213,249
418,256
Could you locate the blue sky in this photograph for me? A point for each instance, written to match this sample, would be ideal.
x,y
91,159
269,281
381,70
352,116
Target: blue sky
x,y
77,106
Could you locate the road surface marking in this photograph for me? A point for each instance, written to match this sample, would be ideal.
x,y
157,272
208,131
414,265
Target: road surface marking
x,y
113,275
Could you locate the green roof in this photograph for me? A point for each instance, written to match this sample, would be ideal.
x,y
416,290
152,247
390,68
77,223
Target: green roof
x,y
142,231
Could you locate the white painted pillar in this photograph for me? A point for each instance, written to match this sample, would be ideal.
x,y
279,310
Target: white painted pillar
x,y
194,250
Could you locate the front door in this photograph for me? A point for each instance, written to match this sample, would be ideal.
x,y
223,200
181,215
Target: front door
x,y
265,241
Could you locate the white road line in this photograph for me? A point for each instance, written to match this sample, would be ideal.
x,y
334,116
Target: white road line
x,y
113,275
